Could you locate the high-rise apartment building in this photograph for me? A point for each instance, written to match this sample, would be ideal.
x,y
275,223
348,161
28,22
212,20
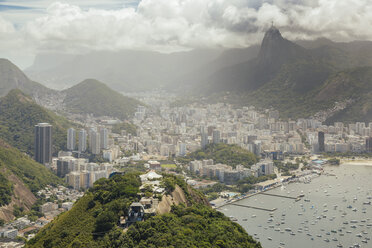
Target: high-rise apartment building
x,y
43,143
95,141
182,149
216,136
104,138
82,140
321,141
204,140
369,144
71,139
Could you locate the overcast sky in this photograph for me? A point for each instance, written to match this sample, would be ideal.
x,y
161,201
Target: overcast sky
x,y
28,27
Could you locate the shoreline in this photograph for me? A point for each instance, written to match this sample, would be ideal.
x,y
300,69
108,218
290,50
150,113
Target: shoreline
x,y
366,162
253,194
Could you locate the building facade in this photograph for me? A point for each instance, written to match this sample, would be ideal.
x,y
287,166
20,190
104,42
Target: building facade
x,y
43,143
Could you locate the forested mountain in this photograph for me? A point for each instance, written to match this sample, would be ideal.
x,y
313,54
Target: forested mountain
x,y
188,224
301,82
278,74
11,77
94,97
20,178
18,116
87,97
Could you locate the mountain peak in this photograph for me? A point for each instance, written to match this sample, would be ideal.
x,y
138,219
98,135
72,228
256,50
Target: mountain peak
x,y
276,50
272,34
18,95
92,82
13,78
94,97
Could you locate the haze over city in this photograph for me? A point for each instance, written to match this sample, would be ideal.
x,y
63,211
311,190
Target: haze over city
x,y
185,123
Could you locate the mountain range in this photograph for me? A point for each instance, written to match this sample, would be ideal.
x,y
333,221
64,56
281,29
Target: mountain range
x,y
291,76
331,81
88,97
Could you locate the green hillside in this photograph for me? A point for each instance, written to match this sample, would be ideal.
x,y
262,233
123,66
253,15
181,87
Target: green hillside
x,y
225,154
354,84
34,175
292,90
125,126
99,210
18,116
298,81
282,94
94,97
11,77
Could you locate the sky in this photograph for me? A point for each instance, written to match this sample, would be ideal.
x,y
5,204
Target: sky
x,y
29,27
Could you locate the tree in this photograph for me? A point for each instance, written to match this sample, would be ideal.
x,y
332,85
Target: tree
x,y
105,222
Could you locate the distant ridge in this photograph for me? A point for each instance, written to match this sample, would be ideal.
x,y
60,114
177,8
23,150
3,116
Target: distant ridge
x,y
11,77
94,97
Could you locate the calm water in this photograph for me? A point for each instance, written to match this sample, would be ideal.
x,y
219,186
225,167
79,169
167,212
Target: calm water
x,y
325,213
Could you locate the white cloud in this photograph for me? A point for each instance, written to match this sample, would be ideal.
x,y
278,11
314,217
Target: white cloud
x,y
169,25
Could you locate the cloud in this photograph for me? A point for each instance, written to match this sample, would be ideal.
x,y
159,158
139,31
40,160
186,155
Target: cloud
x,y
171,25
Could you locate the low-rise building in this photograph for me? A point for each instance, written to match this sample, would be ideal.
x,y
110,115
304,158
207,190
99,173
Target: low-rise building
x,y
48,207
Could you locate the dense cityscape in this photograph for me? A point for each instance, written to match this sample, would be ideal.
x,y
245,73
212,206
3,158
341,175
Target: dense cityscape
x,y
183,123
164,136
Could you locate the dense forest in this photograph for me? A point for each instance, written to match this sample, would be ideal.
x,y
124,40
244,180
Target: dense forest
x,y
98,212
18,116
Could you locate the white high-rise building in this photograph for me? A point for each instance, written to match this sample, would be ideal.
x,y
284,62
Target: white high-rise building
x,y
182,151
82,140
71,139
95,147
104,138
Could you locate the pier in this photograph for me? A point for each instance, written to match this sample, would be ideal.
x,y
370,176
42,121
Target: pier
x,y
283,196
259,208
233,202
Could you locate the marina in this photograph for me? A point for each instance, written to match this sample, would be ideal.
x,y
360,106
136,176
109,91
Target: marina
x,y
333,212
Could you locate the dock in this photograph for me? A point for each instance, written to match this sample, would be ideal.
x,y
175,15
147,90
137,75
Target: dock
x,y
259,208
283,196
233,202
